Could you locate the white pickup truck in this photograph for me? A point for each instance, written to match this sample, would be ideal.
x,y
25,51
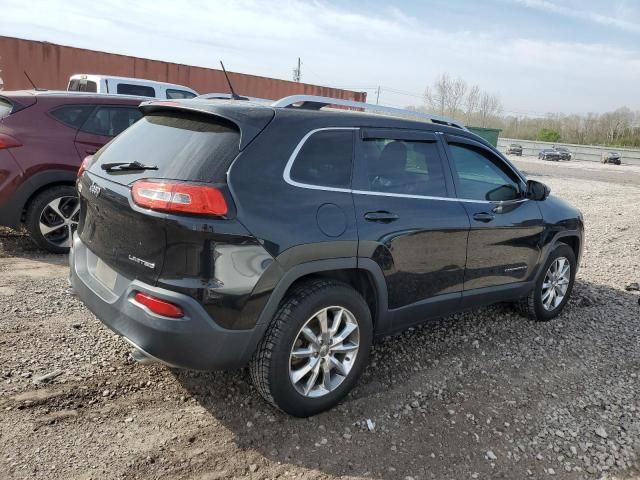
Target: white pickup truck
x,y
128,86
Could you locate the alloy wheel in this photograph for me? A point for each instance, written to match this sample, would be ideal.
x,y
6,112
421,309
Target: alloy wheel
x,y
324,351
555,284
59,219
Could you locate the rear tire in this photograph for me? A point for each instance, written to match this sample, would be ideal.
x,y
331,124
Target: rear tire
x,y
538,305
52,217
286,350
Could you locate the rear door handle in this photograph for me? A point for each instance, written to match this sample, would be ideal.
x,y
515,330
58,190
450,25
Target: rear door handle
x,y
380,216
483,217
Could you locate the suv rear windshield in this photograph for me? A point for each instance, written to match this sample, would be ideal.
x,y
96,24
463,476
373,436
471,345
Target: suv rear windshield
x,y
82,86
183,147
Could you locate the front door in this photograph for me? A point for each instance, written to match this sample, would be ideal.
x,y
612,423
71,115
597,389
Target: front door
x,y
506,228
408,221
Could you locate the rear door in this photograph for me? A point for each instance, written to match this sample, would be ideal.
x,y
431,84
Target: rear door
x,y
102,124
408,221
182,147
506,228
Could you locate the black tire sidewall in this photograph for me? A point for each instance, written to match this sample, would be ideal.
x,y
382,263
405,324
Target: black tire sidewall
x,y
35,209
284,393
543,314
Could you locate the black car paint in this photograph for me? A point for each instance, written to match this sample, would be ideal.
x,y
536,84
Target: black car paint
x,y
432,260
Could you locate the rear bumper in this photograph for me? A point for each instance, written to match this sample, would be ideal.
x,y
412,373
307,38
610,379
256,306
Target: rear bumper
x,y
194,341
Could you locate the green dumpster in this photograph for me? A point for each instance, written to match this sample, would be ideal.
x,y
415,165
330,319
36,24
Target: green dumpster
x,y
489,134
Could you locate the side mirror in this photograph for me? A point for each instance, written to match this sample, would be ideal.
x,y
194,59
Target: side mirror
x,y
537,190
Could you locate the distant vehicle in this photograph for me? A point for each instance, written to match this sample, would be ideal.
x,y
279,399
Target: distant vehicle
x,y
227,96
43,138
612,157
515,149
549,154
138,87
564,152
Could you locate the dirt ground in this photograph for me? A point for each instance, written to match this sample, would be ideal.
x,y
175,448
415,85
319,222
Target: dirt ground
x,y
482,394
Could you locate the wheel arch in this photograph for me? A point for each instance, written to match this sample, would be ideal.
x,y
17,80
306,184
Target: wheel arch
x,y
39,183
363,275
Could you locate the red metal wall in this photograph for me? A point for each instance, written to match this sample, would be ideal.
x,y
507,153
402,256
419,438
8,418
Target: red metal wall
x,y
50,66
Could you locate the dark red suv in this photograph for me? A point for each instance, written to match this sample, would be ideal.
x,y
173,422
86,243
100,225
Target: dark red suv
x,y
44,136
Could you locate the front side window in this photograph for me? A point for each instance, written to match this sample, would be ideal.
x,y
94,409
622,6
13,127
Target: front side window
x,y
138,90
481,175
174,94
402,166
111,121
325,159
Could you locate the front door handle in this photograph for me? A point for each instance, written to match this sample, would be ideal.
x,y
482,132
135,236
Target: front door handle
x,y
483,217
380,216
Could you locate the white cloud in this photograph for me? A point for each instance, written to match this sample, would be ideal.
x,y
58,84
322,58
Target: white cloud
x,y
342,47
581,11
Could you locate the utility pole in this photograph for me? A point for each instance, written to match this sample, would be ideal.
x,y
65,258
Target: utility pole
x,y
297,72
378,96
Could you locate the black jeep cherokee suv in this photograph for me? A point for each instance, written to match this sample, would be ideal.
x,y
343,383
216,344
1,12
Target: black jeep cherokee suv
x,y
218,234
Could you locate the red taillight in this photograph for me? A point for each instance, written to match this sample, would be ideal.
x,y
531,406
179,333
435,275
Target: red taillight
x,y
179,198
158,306
7,141
86,163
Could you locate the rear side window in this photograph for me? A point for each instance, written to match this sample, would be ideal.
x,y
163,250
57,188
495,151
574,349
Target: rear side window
x,y
404,167
182,146
77,85
111,121
138,90
72,115
174,94
325,159
5,107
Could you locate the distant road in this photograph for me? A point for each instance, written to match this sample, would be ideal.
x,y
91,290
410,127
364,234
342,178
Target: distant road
x,y
620,174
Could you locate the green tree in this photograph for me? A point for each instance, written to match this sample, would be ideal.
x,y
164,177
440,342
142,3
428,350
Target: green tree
x,y
548,135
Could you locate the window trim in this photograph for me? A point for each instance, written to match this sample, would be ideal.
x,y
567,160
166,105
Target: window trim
x,y
287,169
286,175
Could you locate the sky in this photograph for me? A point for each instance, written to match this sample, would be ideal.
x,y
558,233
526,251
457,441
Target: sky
x,y
570,56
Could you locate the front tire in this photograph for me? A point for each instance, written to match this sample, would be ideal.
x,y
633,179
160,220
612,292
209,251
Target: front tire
x,y
52,217
315,349
553,287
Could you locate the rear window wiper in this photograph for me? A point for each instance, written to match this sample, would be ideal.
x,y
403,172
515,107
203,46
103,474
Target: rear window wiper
x,y
119,167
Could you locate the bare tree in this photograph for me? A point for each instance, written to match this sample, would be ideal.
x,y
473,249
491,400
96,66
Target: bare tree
x,y
436,97
471,103
488,106
457,91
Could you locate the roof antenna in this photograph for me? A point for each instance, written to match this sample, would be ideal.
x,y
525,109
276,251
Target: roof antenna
x,y
30,81
234,95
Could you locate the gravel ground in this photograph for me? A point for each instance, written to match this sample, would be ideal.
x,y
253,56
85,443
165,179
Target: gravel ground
x,y
480,394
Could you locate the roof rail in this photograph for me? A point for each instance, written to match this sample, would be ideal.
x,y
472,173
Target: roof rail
x,y
312,102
